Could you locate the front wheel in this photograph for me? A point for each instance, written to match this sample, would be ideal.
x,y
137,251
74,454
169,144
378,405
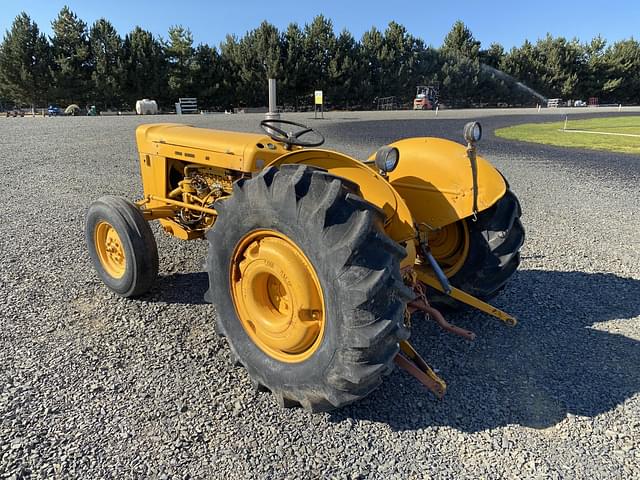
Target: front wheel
x,y
121,245
480,256
306,286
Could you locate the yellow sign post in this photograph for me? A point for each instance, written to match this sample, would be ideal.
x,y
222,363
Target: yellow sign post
x,y
318,104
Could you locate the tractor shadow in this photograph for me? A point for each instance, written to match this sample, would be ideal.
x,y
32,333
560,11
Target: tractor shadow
x,y
180,288
557,361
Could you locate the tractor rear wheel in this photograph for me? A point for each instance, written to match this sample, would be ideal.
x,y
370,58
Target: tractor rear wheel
x,y
306,286
121,245
480,256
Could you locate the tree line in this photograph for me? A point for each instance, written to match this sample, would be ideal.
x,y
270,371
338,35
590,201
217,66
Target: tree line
x,y
95,65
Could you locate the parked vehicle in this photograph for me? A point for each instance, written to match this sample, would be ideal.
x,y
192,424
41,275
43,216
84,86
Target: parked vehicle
x,y
54,111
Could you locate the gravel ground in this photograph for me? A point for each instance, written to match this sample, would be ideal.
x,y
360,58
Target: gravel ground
x,y
94,386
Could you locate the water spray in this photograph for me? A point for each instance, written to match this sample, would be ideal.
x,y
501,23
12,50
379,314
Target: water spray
x,y
520,85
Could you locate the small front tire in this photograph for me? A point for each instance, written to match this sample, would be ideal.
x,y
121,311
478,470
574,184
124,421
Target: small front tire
x,y
121,246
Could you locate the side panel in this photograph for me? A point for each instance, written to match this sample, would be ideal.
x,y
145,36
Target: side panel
x,y
434,178
153,170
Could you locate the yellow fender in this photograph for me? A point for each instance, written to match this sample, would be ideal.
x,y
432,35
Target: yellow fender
x,y
434,178
375,189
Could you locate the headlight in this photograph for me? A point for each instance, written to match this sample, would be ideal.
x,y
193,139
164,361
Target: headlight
x,y
472,132
387,159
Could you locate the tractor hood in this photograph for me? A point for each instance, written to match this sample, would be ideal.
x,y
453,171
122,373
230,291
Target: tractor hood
x,y
434,178
235,150
182,135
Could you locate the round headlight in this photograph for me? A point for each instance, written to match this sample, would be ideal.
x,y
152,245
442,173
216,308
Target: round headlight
x,y
387,159
473,132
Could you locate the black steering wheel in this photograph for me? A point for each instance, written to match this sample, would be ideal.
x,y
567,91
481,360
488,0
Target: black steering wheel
x,y
290,138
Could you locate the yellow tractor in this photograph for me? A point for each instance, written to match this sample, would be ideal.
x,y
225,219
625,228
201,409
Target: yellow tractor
x,y
317,260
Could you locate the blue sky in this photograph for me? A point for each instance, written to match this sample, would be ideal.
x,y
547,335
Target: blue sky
x,y
507,22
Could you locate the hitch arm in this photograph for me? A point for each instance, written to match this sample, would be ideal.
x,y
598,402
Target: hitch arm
x,y
426,277
408,359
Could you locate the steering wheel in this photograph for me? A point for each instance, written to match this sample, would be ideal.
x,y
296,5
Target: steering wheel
x,y
290,138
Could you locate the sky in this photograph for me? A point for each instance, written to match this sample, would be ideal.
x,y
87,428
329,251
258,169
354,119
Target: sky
x,y
506,22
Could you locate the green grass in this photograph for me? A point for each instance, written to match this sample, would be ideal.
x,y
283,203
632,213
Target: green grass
x,y
551,134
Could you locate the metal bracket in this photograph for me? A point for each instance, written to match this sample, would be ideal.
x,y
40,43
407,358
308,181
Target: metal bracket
x,y
426,252
440,275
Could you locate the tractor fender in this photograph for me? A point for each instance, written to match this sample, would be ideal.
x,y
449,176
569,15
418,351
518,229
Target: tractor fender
x,y
375,189
434,178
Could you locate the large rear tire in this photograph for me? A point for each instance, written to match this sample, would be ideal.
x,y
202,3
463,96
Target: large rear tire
x,y
294,226
492,255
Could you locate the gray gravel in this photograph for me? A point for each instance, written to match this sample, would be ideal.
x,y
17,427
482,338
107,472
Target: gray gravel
x,y
94,386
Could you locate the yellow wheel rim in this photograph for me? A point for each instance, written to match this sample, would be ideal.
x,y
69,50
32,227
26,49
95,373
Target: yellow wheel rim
x,y
450,246
277,296
110,250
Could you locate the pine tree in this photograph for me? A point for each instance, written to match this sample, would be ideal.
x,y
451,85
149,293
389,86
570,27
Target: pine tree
x,y
320,47
231,80
345,71
252,60
108,71
268,47
260,59
428,62
399,61
25,63
459,78
623,84
145,69
71,55
596,69
461,66
371,46
526,65
493,56
207,78
179,52
295,78
461,42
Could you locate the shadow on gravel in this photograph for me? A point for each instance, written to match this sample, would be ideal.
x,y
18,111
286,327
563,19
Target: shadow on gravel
x,y
556,361
182,288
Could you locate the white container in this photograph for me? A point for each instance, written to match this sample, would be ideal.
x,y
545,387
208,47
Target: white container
x,y
146,107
